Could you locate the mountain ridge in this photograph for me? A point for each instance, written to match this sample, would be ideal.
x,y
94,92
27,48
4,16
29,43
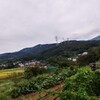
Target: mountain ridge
x,y
96,38
41,51
26,52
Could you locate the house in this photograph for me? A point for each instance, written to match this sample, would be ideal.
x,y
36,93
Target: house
x,y
21,65
84,53
69,58
74,59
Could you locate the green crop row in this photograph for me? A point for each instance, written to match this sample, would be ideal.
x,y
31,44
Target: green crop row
x,y
42,82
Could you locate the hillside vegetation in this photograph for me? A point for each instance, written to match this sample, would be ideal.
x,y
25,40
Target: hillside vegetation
x,y
68,49
84,85
79,84
44,52
25,54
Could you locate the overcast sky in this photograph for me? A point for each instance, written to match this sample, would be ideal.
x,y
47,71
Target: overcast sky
x,y
25,23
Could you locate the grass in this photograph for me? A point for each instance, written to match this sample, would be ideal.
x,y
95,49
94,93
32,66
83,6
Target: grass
x,y
6,81
9,73
5,88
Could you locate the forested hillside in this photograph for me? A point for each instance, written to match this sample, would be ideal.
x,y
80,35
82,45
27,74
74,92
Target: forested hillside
x,y
46,52
26,54
68,49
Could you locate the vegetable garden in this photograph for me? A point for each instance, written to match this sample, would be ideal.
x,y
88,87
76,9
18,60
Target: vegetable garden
x,y
84,85
79,84
42,83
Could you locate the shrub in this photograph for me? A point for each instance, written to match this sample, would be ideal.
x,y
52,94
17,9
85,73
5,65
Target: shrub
x,y
33,71
41,82
71,95
4,97
84,84
93,98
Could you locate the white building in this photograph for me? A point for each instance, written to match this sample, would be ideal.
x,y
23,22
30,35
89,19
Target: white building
x,y
84,53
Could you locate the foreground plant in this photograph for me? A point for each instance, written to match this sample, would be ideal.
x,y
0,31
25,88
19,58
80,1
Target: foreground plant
x,y
42,83
84,85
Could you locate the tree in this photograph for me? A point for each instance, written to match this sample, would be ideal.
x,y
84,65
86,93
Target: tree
x,y
93,56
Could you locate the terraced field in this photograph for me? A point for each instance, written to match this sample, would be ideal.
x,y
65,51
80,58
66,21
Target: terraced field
x,y
8,73
43,95
63,84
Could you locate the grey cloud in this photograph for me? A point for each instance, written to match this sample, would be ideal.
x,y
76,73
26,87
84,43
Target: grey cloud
x,y
93,33
26,23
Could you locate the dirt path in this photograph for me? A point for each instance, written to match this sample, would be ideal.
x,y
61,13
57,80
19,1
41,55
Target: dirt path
x,y
42,95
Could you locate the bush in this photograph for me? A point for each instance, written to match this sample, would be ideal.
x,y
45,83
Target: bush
x,y
41,82
4,97
96,83
70,95
84,84
33,71
93,98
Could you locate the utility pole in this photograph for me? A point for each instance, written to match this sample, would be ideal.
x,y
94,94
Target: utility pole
x,y
67,39
63,39
56,38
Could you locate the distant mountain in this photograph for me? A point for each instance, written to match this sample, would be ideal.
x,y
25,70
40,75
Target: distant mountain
x,y
96,38
26,53
68,49
64,49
